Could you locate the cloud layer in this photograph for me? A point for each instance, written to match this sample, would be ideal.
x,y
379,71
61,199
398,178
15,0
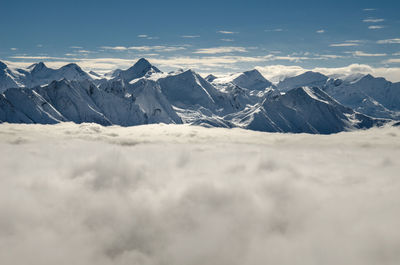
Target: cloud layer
x,y
152,195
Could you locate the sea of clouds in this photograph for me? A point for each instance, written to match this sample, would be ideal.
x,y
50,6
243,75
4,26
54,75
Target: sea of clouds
x,y
184,195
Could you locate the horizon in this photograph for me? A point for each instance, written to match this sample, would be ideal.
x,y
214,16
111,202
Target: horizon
x,y
272,76
218,38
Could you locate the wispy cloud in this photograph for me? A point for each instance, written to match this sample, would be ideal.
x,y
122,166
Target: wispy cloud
x,y
84,51
38,57
364,54
76,47
393,60
344,44
144,36
190,36
396,54
39,45
13,49
376,27
115,48
320,31
227,32
228,40
274,30
331,56
159,48
220,50
373,20
389,41
369,9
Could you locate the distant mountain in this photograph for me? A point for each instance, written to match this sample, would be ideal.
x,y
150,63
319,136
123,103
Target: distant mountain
x,y
252,80
366,94
142,94
311,79
302,109
140,69
39,74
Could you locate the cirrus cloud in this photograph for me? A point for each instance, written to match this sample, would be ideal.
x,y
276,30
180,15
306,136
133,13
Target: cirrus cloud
x,y
215,50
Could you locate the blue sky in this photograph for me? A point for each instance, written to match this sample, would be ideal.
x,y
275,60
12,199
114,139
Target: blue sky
x,y
209,36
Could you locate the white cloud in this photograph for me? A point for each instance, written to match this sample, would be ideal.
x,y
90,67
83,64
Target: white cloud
x,y
331,56
376,27
396,54
274,30
84,51
373,20
215,50
393,60
197,196
76,47
389,41
159,48
38,57
143,36
39,45
320,31
190,36
369,9
115,48
228,40
344,44
364,54
291,58
13,49
227,32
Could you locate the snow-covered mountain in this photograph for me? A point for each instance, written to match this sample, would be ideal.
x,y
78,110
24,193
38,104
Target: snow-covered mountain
x,y
140,69
39,74
143,94
311,79
372,96
302,109
250,80
7,78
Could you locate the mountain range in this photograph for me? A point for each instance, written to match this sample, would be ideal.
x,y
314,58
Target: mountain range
x,y
143,94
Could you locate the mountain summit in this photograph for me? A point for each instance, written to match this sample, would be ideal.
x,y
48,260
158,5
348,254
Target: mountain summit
x,y
140,69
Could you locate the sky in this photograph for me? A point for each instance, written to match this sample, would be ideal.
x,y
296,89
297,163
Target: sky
x,y
207,36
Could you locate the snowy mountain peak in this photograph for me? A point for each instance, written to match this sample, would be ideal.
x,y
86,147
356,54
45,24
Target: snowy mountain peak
x,y
143,62
308,78
254,73
368,77
141,68
73,66
252,80
188,72
314,75
37,67
210,78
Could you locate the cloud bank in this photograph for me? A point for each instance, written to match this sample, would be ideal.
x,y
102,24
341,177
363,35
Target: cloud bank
x,y
167,194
